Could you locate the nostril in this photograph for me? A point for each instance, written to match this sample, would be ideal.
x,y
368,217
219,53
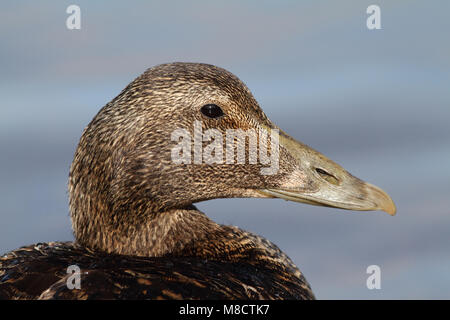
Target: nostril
x,y
322,172
327,176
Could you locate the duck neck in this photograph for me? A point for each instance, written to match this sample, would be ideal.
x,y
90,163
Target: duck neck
x,y
182,232
172,232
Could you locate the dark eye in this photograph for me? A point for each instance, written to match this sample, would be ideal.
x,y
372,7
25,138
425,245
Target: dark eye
x,y
212,111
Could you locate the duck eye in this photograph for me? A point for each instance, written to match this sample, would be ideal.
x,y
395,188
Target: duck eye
x,y
212,111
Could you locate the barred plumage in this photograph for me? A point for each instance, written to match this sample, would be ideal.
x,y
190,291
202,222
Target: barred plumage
x,y
138,234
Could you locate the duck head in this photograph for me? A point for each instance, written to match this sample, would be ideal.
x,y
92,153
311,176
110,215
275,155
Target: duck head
x,y
166,142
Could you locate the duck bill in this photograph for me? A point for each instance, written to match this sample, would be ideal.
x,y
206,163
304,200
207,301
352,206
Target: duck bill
x,y
318,180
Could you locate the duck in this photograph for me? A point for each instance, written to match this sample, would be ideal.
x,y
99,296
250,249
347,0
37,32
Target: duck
x,y
133,186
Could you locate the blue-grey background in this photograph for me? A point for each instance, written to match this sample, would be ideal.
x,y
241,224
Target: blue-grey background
x,y
377,102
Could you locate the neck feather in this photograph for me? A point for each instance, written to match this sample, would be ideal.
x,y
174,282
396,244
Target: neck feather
x,y
170,232
182,232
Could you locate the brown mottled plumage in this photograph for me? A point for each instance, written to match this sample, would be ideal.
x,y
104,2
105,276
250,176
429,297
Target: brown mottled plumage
x,y
138,235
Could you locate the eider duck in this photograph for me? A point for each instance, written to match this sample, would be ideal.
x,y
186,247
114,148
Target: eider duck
x,y
137,232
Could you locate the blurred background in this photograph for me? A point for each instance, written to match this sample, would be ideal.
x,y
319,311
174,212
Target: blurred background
x,y
375,101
